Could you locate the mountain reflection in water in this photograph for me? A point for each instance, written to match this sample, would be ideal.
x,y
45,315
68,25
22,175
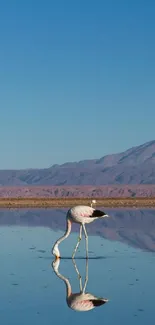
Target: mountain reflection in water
x,y
133,227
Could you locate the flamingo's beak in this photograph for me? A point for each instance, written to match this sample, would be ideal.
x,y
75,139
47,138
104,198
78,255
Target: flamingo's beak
x,y
57,257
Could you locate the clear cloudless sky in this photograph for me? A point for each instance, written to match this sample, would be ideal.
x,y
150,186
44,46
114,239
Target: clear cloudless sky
x,y
77,79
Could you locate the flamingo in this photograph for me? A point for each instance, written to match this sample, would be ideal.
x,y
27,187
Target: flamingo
x,y
80,214
80,301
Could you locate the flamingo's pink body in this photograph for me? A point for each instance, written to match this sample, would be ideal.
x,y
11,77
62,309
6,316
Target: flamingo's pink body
x,y
84,301
79,214
83,214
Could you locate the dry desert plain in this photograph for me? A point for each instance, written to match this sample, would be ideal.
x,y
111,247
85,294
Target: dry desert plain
x,y
111,196
69,202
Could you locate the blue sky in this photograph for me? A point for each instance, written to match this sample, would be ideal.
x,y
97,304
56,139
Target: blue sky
x,y
77,79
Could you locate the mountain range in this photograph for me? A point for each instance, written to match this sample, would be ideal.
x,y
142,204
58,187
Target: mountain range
x,y
133,166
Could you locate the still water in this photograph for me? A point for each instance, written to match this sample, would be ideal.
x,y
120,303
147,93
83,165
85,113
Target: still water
x,y
121,268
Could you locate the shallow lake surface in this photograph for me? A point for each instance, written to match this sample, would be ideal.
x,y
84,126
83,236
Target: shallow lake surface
x,y
121,268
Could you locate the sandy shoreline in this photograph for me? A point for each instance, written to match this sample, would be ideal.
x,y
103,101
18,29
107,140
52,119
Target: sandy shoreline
x,y
69,202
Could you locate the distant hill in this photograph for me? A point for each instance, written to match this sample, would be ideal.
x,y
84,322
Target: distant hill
x,y
133,166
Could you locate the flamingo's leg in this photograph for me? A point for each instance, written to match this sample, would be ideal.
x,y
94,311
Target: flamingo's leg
x,y
86,278
86,237
79,275
78,242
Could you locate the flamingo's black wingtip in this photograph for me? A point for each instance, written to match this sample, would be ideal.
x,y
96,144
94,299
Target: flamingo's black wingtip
x,y
99,302
98,213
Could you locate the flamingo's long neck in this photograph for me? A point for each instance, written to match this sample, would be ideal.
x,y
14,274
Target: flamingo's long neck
x,y
62,277
67,283
66,234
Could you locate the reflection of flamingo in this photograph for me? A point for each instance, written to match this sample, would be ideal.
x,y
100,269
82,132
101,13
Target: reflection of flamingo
x,y
79,214
78,301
